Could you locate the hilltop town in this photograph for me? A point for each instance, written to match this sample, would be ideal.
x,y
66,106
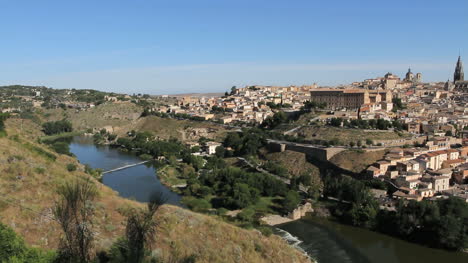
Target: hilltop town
x,y
367,153
434,115
429,157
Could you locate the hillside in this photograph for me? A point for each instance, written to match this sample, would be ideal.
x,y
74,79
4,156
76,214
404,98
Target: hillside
x,y
344,135
120,116
29,177
183,130
357,161
295,162
125,116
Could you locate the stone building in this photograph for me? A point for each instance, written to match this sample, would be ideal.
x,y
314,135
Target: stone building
x,y
341,98
409,75
390,81
459,76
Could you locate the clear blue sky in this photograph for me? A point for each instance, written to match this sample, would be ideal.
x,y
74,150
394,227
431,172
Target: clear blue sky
x,y
166,47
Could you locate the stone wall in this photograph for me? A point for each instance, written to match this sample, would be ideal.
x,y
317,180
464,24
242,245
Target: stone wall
x,y
301,211
322,154
400,142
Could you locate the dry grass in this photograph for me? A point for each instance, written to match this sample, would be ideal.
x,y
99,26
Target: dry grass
x,y
216,241
356,161
328,133
28,183
121,116
295,162
166,128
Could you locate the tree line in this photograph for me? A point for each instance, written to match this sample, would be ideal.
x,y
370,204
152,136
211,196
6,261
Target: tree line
x,y
56,127
379,124
439,224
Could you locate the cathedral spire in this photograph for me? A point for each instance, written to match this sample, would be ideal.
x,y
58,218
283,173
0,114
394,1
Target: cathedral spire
x,y
459,74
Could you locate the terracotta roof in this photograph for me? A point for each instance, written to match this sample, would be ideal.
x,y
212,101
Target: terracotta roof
x,y
455,161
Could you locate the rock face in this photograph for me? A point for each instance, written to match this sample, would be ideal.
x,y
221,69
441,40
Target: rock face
x,y
301,211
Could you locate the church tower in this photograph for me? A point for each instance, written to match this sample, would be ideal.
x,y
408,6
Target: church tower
x,y
409,75
458,75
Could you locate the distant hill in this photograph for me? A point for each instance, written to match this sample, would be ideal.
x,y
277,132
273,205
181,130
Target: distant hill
x,y
214,94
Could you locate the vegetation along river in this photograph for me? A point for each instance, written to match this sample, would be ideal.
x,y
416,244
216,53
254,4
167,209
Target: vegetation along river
x,y
323,240
138,182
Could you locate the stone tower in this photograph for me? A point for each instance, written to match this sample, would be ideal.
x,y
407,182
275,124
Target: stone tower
x,y
409,75
458,75
418,77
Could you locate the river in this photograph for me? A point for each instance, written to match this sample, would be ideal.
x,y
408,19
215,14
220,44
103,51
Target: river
x,y
331,242
323,240
137,182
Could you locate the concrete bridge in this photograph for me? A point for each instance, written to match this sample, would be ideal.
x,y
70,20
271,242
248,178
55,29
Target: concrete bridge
x,y
123,167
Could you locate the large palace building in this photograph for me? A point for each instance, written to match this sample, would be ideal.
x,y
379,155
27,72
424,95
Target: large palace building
x,y
341,98
349,98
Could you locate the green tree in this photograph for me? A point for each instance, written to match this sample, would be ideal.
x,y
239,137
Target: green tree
x,y
13,249
336,122
55,127
242,195
220,151
291,200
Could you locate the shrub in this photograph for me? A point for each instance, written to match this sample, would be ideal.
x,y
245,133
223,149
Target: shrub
x,y
146,157
71,167
196,204
61,147
222,211
265,230
112,137
75,213
13,249
247,215
55,127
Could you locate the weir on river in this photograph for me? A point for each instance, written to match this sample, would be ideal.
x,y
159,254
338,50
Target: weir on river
x,y
123,167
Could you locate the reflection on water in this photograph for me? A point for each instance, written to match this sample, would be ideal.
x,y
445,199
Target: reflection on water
x,y
331,242
138,182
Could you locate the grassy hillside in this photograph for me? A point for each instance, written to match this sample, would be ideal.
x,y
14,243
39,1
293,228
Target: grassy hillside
x,y
356,161
345,135
118,115
181,129
30,174
123,117
295,162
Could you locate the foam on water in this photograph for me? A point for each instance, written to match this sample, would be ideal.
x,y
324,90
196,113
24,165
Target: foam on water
x,y
293,241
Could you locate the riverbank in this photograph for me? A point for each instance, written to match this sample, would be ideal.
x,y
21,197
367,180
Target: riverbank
x,y
273,220
170,177
135,182
61,136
